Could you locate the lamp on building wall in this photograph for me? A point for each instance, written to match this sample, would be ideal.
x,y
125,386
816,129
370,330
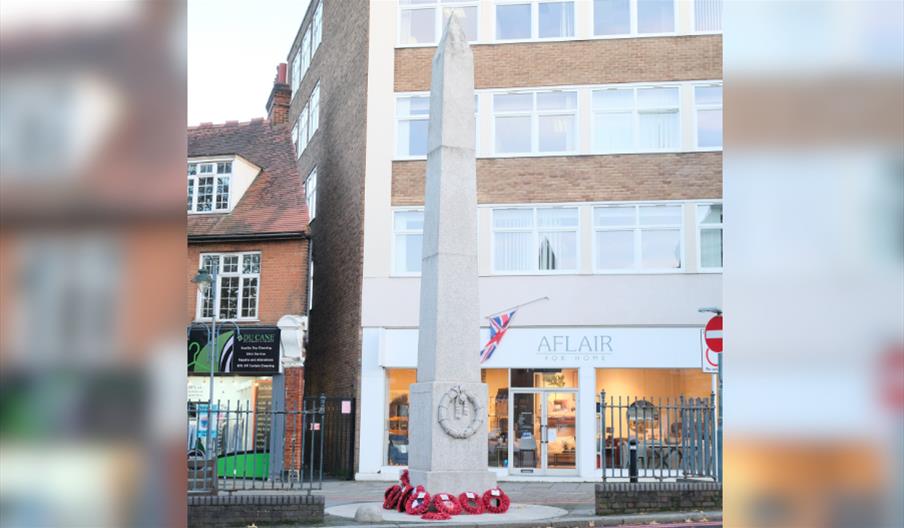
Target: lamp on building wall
x,y
203,280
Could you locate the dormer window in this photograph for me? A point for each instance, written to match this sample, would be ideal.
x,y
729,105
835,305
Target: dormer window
x,y
208,186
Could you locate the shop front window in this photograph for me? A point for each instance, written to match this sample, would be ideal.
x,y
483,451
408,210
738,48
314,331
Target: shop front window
x,y
545,378
644,404
497,419
399,384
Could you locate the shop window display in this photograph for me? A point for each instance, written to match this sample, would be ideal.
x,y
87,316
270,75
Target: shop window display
x,y
399,381
545,378
648,399
497,419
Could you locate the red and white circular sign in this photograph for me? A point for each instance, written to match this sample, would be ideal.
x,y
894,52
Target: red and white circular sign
x,y
712,333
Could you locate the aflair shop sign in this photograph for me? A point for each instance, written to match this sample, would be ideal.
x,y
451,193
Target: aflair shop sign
x,y
253,350
557,344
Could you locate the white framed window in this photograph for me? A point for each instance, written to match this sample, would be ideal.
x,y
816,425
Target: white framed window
x,y
308,121
310,276
709,236
535,122
310,193
314,110
636,119
535,240
306,51
421,22
317,28
296,72
407,241
634,17
707,16
412,117
238,284
708,115
536,19
208,186
302,124
645,237
310,41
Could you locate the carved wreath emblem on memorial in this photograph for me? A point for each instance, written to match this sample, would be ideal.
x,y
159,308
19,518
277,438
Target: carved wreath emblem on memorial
x,y
455,405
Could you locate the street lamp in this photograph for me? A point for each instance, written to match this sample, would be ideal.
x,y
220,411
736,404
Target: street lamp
x,y
205,281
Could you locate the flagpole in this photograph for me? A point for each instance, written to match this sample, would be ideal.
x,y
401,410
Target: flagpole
x,y
538,299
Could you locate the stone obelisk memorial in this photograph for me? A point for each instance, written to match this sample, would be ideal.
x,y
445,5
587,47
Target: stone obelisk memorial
x,y
447,423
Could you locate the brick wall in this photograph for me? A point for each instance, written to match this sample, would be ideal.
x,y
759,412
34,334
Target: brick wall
x,y
337,150
278,104
244,510
294,392
283,278
578,178
598,61
640,497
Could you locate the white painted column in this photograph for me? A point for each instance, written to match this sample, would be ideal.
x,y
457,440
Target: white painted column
x,y
585,121
372,405
583,20
587,422
585,236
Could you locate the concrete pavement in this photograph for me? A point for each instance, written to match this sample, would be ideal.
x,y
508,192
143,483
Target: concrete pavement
x,y
575,497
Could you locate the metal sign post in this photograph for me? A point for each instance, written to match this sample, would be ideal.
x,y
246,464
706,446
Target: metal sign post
x,y
719,422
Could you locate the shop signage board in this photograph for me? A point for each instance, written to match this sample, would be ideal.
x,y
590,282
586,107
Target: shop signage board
x,y
712,333
557,347
254,351
205,427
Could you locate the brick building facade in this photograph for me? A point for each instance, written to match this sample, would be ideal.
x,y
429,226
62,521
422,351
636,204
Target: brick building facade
x,y
599,187
248,219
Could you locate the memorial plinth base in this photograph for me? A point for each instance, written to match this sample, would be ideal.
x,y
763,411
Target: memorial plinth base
x,y
438,461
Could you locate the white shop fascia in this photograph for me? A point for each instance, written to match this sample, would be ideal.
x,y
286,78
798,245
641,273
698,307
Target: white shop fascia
x,y
559,347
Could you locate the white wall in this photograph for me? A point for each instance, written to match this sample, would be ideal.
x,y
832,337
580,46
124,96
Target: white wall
x,y
380,138
574,300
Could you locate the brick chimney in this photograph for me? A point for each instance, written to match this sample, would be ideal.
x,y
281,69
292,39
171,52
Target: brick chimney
x,y
280,97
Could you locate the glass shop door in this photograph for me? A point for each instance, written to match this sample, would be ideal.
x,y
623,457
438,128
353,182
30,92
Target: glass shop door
x,y
543,429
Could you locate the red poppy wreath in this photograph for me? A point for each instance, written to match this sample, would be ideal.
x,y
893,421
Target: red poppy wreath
x,y
446,503
436,516
495,501
407,491
418,502
391,497
471,503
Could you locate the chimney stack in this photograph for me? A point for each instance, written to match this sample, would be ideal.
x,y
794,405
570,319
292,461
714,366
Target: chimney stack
x,y
280,97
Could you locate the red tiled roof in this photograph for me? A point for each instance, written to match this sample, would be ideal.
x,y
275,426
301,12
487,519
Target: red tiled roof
x,y
274,203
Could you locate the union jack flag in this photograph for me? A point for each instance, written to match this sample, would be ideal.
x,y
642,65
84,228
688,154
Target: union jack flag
x,y
498,326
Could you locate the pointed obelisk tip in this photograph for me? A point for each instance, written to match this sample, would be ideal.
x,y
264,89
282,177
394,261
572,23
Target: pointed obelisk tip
x,y
454,34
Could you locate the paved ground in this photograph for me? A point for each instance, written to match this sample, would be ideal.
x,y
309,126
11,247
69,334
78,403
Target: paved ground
x,y
575,497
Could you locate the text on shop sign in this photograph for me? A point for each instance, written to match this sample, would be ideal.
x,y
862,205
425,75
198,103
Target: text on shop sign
x,y
559,344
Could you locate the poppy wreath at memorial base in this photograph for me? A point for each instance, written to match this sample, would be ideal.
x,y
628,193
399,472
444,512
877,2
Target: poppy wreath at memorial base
x,y
403,498
418,502
446,503
471,503
495,501
436,516
395,496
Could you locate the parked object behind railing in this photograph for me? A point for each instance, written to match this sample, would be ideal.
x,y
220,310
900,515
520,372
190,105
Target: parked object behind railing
x,y
675,439
255,447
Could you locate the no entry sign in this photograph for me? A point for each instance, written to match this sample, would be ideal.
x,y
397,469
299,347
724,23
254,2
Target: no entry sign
x,y
712,334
